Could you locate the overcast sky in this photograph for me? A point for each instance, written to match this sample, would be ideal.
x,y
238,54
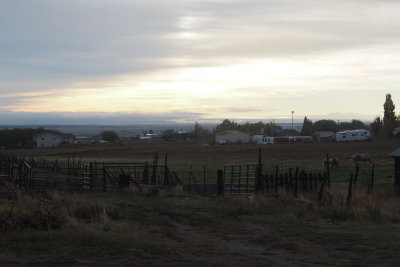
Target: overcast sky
x,y
176,60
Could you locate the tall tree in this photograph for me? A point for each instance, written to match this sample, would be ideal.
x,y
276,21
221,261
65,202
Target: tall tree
x,y
226,125
388,108
271,128
325,125
251,128
307,128
199,132
376,127
109,136
389,117
357,124
353,125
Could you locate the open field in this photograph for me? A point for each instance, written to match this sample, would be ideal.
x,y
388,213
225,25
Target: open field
x,y
183,155
173,228
128,228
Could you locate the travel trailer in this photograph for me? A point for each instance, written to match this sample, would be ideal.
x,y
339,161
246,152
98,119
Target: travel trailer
x,y
265,140
353,135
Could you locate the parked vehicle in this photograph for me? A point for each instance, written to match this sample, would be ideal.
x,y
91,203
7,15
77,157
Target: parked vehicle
x,y
264,140
353,135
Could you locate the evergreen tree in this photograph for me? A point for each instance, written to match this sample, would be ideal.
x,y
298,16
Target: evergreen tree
x,y
376,127
388,108
307,128
226,125
389,118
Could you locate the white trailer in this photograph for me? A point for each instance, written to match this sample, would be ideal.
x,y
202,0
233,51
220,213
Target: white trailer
x,y
265,140
353,135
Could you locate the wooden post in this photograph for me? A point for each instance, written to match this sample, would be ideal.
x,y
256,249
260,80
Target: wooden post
x,y
356,175
321,191
220,183
328,169
371,181
146,174
350,191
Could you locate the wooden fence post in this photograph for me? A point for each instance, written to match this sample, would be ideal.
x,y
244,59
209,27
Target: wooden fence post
x,y
328,169
356,175
104,179
350,191
259,178
371,181
220,183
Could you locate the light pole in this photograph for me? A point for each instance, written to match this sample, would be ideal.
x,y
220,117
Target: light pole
x,y
292,119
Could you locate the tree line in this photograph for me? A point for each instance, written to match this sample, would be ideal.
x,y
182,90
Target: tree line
x,y
380,128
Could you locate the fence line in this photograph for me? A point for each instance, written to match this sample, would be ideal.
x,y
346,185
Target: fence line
x,y
78,176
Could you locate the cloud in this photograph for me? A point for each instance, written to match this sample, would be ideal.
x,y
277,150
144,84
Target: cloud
x,y
212,57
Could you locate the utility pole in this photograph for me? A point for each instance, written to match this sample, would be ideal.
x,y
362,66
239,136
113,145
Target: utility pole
x,y
292,119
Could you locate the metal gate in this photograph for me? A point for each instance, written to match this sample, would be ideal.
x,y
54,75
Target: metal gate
x,y
240,179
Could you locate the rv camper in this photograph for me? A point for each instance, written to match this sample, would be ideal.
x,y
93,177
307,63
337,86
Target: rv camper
x,y
353,135
264,140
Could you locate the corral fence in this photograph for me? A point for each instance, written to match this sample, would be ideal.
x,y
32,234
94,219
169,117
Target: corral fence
x,y
249,178
240,179
246,180
77,176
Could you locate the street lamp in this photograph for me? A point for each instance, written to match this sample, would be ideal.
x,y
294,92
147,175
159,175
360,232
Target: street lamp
x,y
292,119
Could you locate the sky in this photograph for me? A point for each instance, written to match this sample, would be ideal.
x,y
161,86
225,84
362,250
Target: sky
x,y
126,61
